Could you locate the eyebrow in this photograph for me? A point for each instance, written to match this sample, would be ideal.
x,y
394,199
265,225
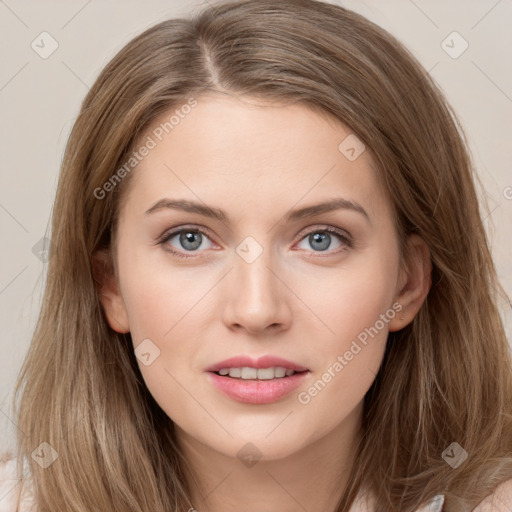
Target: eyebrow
x,y
216,213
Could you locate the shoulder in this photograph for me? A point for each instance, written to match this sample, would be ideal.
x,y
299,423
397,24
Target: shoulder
x,y
499,501
15,493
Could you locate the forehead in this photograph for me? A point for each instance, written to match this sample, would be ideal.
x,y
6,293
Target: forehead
x,y
255,151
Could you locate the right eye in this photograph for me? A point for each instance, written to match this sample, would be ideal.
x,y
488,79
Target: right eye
x,y
190,240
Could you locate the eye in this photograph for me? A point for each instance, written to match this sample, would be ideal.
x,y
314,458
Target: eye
x,y
188,240
321,239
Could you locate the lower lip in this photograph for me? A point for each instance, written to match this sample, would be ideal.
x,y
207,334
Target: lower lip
x,y
257,391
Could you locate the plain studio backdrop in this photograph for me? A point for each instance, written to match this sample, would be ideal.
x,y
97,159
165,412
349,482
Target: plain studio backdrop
x,y
52,51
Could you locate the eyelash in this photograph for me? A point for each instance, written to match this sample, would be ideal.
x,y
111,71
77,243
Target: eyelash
x,y
343,237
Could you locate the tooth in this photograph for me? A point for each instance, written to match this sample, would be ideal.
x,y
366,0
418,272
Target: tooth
x,y
266,373
248,373
235,372
279,371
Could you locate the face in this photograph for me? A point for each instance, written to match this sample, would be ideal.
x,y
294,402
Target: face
x,y
221,255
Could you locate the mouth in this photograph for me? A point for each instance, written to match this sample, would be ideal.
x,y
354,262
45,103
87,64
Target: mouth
x,y
262,381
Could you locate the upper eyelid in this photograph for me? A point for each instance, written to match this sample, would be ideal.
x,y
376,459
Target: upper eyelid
x,y
325,227
175,231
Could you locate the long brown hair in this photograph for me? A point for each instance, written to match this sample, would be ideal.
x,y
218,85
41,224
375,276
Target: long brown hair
x,y
445,378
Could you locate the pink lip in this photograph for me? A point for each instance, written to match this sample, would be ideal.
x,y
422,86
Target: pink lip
x,y
257,391
267,361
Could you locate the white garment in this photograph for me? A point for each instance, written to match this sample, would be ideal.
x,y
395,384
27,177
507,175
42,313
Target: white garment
x,y
366,503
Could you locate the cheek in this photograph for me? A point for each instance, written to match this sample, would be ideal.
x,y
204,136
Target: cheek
x,y
356,305
157,297
350,298
168,308
349,361
163,307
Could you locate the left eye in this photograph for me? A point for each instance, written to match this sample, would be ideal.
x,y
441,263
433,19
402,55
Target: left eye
x,y
320,239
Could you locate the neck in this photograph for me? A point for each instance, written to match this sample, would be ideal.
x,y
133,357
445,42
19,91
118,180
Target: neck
x,y
313,478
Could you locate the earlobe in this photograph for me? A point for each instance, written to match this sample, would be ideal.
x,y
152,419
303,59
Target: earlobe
x,y
414,282
108,292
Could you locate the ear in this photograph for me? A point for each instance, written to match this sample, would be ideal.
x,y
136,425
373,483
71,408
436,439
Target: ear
x,y
415,280
108,291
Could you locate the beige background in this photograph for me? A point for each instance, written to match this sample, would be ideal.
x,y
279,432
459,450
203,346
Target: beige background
x,y
39,99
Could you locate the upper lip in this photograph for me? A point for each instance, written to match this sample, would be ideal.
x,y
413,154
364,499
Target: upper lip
x,y
266,361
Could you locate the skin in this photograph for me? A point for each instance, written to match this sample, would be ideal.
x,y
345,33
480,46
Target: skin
x,y
257,161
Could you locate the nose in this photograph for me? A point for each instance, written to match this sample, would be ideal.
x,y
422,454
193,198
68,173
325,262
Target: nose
x,y
257,300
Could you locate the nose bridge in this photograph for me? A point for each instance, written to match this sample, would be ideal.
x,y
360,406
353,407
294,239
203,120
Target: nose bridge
x,y
256,296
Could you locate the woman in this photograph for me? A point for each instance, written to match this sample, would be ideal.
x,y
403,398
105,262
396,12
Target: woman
x,y
269,283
